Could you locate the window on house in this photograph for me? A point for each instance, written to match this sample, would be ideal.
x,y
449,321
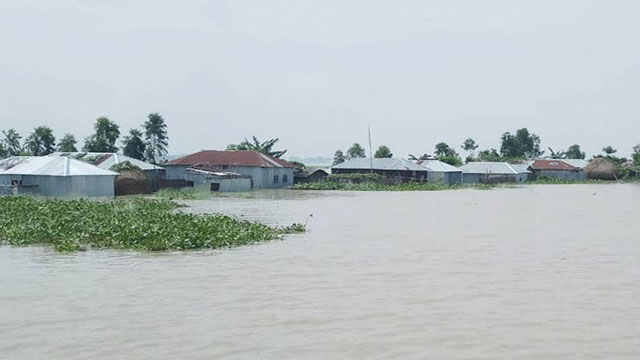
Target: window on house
x,y
285,179
275,179
215,187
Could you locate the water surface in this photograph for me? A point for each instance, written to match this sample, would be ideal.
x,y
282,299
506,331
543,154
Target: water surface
x,y
537,272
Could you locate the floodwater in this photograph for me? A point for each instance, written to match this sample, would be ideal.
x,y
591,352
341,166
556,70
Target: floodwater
x,y
537,272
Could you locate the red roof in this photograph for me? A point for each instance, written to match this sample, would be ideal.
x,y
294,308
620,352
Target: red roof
x,y
552,165
231,158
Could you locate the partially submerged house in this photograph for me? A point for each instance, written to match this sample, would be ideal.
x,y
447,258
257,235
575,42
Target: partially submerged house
x,y
485,172
54,176
108,160
208,178
389,168
311,174
264,171
557,169
441,172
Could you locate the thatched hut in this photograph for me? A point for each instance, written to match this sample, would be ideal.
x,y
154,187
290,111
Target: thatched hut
x,y
601,169
131,179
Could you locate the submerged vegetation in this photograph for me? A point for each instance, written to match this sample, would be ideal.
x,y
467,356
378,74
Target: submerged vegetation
x,y
134,223
378,186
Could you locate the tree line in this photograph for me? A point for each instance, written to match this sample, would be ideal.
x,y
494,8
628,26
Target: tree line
x,y
520,145
149,143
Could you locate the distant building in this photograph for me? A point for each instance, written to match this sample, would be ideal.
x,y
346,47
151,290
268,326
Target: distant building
x,y
264,171
484,172
311,174
390,168
441,172
54,176
557,169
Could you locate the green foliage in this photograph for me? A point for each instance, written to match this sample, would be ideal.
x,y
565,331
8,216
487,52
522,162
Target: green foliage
x,y
469,145
574,152
265,147
547,180
298,166
522,145
338,157
41,141
489,155
383,152
636,155
67,143
356,151
157,140
354,177
133,145
447,154
451,160
104,140
135,223
11,143
377,186
609,150
557,155
421,157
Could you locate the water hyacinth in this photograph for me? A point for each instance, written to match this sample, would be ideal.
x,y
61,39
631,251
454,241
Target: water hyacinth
x,y
139,224
378,186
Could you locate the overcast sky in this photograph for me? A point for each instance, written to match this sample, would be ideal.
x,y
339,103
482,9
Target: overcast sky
x,y
317,73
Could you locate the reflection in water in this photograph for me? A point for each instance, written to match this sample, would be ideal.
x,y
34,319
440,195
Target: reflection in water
x,y
539,272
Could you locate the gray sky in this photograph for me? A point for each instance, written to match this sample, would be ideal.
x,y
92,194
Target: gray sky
x,y
317,73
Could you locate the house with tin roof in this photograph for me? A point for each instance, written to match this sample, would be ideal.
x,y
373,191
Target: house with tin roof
x,y
402,169
264,171
441,172
54,176
391,168
107,160
557,169
487,172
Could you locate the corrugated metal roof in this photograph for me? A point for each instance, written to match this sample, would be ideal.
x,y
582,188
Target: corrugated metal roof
x,y
578,163
551,165
107,160
380,164
489,167
438,166
224,174
49,166
231,158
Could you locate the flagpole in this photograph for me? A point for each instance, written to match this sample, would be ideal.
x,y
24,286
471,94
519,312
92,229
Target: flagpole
x,y
370,151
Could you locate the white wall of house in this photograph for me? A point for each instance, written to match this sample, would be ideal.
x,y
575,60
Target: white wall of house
x,y
262,178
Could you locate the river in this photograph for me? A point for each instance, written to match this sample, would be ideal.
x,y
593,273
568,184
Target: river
x,y
533,272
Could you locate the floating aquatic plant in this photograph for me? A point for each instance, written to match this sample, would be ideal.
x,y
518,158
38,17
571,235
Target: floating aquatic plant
x,y
133,223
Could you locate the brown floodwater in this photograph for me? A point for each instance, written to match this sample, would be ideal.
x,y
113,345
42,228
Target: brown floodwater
x,y
534,272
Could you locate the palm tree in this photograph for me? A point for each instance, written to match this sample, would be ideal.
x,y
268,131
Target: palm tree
x,y
265,147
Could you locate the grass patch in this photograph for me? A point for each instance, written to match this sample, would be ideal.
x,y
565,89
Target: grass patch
x,y
134,223
376,186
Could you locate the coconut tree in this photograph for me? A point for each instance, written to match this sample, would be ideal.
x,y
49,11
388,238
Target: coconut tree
x,y
265,147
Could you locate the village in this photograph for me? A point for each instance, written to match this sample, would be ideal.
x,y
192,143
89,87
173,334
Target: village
x,y
86,174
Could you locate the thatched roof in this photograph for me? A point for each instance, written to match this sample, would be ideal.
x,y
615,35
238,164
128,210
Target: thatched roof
x,y
601,169
132,182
